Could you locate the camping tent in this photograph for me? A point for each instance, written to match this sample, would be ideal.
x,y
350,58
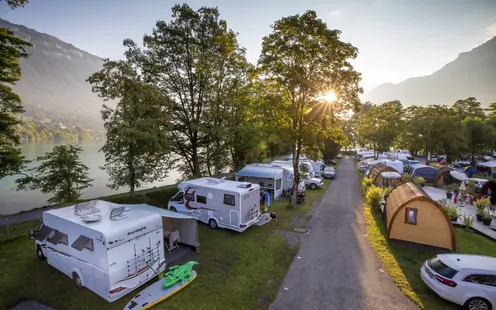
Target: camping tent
x,y
376,170
187,225
442,177
411,215
425,171
269,178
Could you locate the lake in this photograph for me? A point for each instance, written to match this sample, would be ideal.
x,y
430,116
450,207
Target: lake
x,y
13,201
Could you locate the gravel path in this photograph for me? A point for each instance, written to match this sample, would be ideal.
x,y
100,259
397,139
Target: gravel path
x,y
336,268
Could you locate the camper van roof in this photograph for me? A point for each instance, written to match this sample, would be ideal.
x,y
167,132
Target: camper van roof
x,y
106,226
207,182
260,171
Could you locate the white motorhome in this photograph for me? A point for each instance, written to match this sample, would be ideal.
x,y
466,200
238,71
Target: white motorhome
x,y
107,248
288,180
305,166
219,203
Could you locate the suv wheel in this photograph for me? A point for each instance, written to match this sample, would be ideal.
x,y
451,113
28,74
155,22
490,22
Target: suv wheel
x,y
313,186
478,303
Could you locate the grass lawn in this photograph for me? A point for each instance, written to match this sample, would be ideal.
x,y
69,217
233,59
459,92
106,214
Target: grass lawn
x,y
403,261
236,271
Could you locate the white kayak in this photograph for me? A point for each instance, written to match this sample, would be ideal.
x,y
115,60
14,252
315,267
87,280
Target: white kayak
x,y
155,294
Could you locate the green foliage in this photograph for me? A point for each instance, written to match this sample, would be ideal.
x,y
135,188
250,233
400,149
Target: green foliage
x,y
374,196
418,180
366,183
137,147
60,173
301,61
450,187
451,209
481,204
478,135
12,49
406,177
380,125
467,221
14,4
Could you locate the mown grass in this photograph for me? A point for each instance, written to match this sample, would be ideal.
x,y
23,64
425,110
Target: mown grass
x,y
236,271
402,261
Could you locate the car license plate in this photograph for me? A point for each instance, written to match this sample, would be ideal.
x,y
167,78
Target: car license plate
x,y
429,273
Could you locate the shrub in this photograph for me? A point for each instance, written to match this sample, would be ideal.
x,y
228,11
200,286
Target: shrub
x,y
450,188
373,196
450,208
366,183
406,177
467,221
419,180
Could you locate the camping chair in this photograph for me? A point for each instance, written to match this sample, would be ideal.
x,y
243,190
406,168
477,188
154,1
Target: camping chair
x,y
173,241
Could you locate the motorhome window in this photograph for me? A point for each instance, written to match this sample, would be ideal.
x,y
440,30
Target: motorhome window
x,y
189,196
58,237
278,184
178,197
229,200
43,233
201,199
83,242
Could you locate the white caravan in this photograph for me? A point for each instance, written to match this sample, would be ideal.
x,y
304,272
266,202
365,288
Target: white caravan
x,y
305,166
107,248
219,203
288,179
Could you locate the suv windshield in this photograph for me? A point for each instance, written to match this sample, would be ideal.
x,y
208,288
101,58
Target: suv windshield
x,y
441,268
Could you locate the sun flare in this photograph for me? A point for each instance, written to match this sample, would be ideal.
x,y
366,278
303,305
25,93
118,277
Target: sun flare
x,y
329,96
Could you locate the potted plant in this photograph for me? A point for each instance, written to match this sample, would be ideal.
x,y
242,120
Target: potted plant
x,y
406,177
451,210
487,218
449,190
481,204
419,181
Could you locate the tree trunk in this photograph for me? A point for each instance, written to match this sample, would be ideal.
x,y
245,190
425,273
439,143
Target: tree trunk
x,y
296,169
132,172
217,156
208,161
194,156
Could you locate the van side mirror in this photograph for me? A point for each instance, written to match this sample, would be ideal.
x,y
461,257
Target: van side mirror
x,y
31,234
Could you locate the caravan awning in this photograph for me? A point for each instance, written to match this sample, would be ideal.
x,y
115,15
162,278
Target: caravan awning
x,y
260,172
187,225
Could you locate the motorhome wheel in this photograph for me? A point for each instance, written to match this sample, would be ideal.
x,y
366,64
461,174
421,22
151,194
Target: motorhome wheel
x,y
173,209
77,279
313,186
212,223
39,253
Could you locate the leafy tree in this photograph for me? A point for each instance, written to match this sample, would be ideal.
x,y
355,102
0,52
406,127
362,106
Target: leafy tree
x,y
136,149
12,49
302,60
60,173
381,125
478,135
189,59
14,4
469,107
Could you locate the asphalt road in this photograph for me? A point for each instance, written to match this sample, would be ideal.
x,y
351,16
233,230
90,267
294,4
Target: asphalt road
x,y
336,268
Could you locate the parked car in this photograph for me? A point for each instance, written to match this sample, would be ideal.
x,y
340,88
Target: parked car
x,y
330,162
312,183
466,280
329,172
339,156
478,183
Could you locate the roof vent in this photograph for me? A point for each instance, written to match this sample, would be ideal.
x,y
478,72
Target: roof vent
x,y
92,218
86,208
244,185
117,213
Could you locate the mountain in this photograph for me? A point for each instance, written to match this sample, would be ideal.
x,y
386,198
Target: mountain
x,y
52,86
471,74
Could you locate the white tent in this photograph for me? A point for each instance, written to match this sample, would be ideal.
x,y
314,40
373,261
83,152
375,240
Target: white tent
x,y
458,175
187,225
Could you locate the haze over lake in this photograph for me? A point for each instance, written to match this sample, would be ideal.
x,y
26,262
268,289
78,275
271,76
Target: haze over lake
x,y
12,201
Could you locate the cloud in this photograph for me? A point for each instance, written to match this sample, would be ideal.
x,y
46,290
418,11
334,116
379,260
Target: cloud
x,y
336,13
490,31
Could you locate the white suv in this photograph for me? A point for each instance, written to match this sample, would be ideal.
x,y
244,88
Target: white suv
x,y
466,280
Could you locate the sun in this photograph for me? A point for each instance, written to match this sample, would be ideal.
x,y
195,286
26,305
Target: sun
x,y
329,96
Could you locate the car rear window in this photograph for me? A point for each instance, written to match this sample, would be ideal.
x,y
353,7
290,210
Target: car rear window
x,y
441,268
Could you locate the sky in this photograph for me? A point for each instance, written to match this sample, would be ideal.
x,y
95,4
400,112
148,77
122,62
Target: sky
x,y
397,39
